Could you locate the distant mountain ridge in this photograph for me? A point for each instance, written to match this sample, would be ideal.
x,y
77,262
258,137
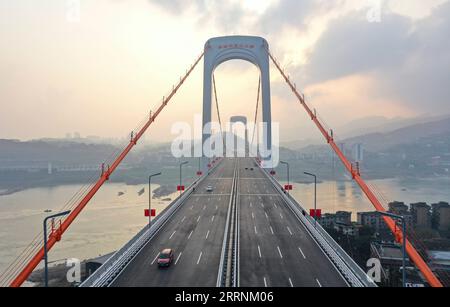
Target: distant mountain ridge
x,y
380,124
14,152
405,135
373,131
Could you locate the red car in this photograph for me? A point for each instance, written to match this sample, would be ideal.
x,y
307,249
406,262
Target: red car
x,y
165,258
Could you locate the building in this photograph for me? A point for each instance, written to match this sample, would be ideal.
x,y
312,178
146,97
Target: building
x,y
391,260
341,221
440,261
342,217
421,215
372,219
327,220
390,254
441,216
375,220
346,229
398,207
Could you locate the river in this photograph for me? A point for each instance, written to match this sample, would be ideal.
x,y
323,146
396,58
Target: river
x,y
110,220
106,223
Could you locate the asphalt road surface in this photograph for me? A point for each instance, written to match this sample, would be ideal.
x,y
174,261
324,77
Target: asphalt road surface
x,y
195,233
275,249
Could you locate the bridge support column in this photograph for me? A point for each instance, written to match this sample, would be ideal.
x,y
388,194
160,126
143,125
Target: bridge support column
x,y
248,48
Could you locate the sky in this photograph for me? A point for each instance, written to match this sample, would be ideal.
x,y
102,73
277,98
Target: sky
x,y
98,67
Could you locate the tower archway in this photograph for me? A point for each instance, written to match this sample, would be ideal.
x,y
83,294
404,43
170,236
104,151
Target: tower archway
x,y
248,48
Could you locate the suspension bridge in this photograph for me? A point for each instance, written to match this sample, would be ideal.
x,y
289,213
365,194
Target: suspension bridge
x,y
248,232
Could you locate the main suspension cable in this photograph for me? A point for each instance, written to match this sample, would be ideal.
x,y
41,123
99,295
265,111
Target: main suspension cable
x,y
257,107
217,108
21,268
355,173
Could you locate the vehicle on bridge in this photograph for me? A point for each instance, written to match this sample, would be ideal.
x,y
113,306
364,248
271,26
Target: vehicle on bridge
x,y
209,188
165,258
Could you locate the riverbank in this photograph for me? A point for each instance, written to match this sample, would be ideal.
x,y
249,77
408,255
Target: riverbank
x,y
57,276
160,192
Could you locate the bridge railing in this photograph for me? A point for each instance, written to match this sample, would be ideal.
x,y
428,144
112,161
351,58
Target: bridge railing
x,y
352,273
112,268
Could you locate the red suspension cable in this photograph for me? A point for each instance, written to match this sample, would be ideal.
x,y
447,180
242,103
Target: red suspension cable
x,y
413,254
31,265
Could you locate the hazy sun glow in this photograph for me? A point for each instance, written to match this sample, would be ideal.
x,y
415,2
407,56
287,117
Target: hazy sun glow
x,y
100,75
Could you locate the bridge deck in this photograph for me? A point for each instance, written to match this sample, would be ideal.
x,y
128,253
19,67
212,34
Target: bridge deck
x,y
275,248
196,233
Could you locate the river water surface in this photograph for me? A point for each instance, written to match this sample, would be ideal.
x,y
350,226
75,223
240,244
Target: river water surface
x,y
110,220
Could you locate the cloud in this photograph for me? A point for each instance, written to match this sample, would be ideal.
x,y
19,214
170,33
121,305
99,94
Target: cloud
x,y
287,13
423,77
408,59
234,15
353,45
227,16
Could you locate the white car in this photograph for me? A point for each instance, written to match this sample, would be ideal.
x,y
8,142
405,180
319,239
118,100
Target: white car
x,y
209,188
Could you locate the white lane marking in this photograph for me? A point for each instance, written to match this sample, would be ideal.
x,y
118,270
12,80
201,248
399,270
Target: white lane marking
x,y
262,205
190,234
204,207
178,258
281,215
276,207
304,257
267,217
290,282
265,282
259,252
212,219
318,282
155,258
271,229
183,219
253,216
256,232
192,207
216,207
199,257
289,230
279,252
172,234
198,219
209,198
207,234
251,205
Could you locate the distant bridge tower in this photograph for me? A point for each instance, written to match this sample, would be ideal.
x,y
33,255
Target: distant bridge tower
x,y
243,120
248,48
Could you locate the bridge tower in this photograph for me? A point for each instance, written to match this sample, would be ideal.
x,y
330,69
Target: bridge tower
x,y
248,48
243,120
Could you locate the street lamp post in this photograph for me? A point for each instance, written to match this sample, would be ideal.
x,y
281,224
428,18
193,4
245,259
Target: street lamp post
x,y
150,198
287,165
315,196
45,243
181,164
402,219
